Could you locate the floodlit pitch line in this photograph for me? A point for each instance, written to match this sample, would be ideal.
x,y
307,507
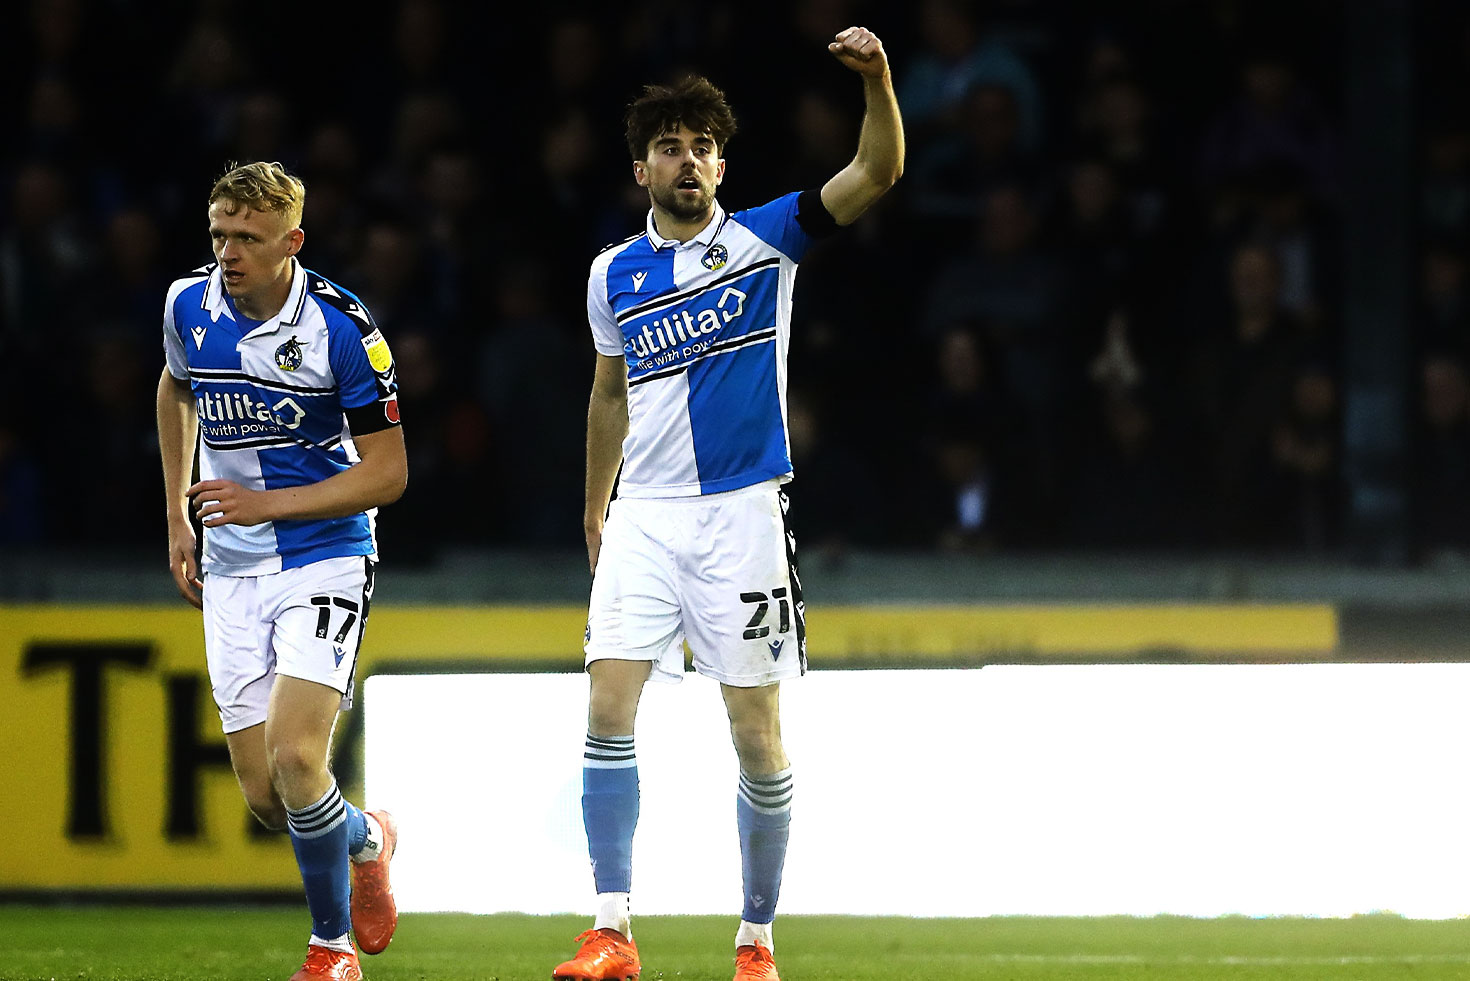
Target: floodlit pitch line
x,y
1187,959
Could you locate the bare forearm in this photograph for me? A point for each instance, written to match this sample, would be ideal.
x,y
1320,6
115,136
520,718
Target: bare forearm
x,y
353,491
178,430
607,425
879,159
880,151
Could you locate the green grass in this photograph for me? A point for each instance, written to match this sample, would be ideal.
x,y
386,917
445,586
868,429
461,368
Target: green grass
x,y
254,943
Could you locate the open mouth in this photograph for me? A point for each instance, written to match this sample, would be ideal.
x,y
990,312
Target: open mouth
x,y
688,184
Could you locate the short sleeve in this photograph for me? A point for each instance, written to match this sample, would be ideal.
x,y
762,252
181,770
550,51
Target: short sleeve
x,y
780,223
607,336
367,379
174,354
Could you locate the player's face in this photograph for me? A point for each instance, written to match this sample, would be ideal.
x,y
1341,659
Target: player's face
x,y
254,250
681,171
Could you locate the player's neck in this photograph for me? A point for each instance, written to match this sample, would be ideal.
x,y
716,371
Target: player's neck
x,y
268,302
679,229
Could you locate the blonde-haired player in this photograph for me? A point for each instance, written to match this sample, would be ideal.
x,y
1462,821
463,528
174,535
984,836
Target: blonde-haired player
x,y
285,384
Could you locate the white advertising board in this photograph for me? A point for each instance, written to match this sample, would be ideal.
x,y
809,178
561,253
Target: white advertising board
x,y
1199,790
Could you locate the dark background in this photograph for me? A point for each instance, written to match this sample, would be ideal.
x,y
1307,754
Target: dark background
x,y
1161,276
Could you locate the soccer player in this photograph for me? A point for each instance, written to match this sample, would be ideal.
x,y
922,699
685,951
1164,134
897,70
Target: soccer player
x,y
284,381
691,321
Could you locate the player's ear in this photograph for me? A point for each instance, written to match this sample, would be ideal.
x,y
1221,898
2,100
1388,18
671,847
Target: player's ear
x,y
720,173
640,173
295,237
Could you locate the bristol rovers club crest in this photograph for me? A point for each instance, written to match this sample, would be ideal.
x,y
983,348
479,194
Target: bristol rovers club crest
x,y
288,355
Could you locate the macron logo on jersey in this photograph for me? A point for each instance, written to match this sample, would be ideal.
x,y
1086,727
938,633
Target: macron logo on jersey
x,y
638,278
198,332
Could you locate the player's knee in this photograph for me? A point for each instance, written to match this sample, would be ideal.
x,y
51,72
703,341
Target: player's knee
x,y
292,765
759,748
611,713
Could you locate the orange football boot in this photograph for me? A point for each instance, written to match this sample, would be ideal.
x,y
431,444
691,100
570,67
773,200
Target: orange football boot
x,y
754,962
325,964
605,955
374,914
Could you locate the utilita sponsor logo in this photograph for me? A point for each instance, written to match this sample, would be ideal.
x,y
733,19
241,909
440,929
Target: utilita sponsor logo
x,y
237,407
660,340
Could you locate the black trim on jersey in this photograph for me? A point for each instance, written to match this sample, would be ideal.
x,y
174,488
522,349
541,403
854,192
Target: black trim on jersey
x,y
655,376
340,301
812,215
227,374
689,294
295,320
370,418
613,245
204,272
273,442
733,344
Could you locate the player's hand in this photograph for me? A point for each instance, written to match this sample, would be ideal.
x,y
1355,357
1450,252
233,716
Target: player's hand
x,y
859,49
183,565
224,502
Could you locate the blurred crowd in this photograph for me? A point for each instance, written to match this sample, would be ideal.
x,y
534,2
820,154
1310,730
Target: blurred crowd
x,y
1101,309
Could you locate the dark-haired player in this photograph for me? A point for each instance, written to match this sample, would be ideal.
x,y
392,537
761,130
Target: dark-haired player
x,y
691,321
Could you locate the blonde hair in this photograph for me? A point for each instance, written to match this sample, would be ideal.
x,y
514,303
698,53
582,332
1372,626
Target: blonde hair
x,y
262,187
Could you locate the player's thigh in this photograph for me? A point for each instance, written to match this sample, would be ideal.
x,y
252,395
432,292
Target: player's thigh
x,y
237,650
741,615
633,613
318,614
252,770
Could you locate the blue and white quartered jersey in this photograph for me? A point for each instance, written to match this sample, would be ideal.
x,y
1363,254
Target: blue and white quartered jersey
x,y
704,326
278,401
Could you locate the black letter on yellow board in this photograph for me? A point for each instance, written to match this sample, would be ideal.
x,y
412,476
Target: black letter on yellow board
x,y
187,755
86,660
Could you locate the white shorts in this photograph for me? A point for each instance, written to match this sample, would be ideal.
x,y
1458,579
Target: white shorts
x,y
719,570
303,623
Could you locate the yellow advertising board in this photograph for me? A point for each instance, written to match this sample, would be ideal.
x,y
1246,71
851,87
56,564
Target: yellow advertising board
x,y
115,769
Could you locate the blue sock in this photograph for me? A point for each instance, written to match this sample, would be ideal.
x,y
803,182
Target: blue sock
x,y
763,813
610,809
319,835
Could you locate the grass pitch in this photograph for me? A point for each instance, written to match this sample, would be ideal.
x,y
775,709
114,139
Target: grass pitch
x,y
254,943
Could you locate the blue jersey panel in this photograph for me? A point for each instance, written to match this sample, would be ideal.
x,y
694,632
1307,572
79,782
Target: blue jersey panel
x,y
775,224
639,273
735,418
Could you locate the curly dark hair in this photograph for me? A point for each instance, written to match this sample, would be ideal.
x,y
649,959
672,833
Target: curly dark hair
x,y
692,101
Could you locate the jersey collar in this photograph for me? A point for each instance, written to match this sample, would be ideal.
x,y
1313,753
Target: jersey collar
x,y
706,235
288,316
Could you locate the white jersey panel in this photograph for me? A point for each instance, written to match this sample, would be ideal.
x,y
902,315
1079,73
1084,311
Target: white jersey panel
x,y
665,441
245,550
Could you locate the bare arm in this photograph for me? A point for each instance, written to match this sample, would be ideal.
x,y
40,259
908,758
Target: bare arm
x,y
178,432
879,161
378,478
607,425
